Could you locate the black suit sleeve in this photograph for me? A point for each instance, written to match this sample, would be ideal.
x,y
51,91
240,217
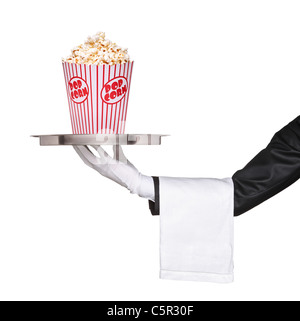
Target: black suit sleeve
x,y
270,171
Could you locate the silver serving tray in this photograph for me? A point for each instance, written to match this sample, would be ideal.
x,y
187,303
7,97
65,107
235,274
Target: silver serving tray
x,y
100,139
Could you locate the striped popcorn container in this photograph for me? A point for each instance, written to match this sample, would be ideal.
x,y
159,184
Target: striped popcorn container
x,y
98,97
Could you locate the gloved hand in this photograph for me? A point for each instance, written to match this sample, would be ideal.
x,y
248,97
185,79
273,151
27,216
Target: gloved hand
x,y
118,169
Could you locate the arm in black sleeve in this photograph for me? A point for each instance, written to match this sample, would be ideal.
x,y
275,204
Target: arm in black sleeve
x,y
269,172
272,170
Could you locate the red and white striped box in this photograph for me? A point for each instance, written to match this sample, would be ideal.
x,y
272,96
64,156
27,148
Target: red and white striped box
x,y
98,97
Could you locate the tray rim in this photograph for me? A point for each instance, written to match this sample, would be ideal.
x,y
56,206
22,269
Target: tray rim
x,y
99,139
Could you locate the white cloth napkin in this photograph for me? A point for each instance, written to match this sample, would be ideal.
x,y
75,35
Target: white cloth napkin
x,y
196,229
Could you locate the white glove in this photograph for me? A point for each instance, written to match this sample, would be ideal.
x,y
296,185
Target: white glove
x,y
118,169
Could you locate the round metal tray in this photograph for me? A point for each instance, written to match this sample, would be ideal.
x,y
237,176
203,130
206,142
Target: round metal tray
x,y
100,139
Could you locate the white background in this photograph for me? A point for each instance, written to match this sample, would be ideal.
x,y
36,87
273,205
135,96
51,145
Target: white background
x,y
221,77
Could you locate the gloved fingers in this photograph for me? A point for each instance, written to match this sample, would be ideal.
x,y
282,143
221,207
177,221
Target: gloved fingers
x,y
78,151
102,153
86,155
82,156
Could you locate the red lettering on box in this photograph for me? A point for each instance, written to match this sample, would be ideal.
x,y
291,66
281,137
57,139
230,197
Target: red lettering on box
x,y
85,91
114,85
124,89
114,90
78,90
113,95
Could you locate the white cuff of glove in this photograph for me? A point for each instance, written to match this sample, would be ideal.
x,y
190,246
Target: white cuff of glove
x,y
146,187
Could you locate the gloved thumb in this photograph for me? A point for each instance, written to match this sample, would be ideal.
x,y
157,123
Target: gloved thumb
x,y
86,155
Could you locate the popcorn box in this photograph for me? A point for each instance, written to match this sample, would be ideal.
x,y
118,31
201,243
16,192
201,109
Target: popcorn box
x,y
98,97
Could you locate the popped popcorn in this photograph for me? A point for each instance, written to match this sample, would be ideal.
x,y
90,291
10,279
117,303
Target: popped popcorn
x,y
98,50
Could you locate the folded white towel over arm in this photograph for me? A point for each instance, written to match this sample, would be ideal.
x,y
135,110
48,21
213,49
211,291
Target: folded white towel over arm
x,y
196,229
